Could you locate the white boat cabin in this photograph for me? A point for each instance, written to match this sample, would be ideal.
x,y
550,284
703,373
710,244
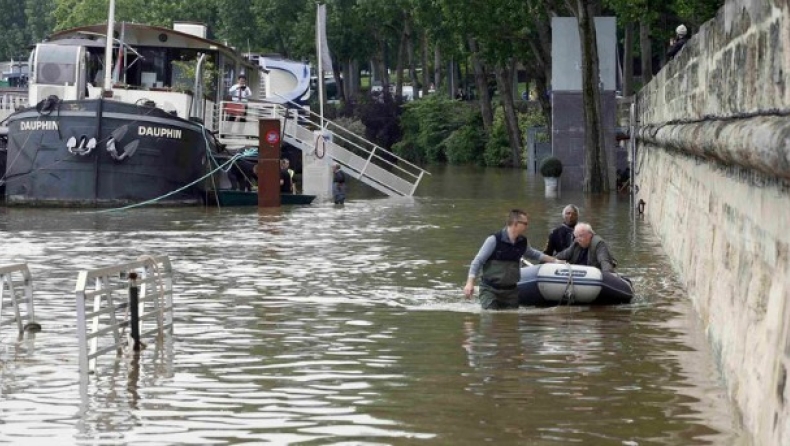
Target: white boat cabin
x,y
178,70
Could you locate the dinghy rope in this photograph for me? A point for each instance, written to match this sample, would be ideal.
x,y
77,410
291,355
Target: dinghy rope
x,y
569,291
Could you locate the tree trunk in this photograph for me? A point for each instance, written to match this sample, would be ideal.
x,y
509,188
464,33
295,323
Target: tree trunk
x,y
504,78
596,177
647,54
404,36
381,67
542,72
437,67
426,75
350,80
544,97
481,81
628,60
412,61
337,76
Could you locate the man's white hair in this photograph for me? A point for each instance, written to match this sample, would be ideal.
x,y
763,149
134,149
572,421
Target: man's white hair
x,y
582,226
681,30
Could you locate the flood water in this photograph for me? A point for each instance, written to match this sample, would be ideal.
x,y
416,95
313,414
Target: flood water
x,y
347,325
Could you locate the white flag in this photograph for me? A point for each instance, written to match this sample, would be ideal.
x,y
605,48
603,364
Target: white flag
x,y
324,59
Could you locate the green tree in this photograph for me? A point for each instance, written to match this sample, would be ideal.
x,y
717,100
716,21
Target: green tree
x,y
23,24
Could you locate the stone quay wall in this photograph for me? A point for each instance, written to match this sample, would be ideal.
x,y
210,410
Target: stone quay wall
x,y
713,168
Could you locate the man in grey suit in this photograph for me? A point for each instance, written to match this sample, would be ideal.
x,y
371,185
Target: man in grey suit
x,y
588,248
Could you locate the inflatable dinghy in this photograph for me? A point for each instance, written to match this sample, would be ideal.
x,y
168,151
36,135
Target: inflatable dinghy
x,y
563,284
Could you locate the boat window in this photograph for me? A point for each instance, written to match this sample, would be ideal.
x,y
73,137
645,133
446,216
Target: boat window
x,y
183,63
95,68
153,68
229,79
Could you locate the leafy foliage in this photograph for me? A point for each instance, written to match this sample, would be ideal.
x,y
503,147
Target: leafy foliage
x,y
22,24
380,114
465,144
497,147
434,130
187,69
497,152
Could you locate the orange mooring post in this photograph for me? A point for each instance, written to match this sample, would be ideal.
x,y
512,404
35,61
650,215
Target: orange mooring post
x,y
268,168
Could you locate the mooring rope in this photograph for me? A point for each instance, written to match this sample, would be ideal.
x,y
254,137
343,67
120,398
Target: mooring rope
x,y
161,197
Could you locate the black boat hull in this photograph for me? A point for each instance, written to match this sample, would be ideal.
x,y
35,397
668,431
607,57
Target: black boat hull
x,y
165,154
233,198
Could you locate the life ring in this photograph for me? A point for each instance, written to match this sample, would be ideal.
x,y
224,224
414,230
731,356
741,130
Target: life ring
x,y
322,152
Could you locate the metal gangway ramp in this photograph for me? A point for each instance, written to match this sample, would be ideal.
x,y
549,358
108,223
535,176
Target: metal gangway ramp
x,y
371,164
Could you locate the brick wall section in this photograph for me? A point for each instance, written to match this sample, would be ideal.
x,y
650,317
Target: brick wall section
x,y
713,166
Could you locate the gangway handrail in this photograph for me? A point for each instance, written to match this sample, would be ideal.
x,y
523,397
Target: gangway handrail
x,y
7,273
376,146
366,172
367,161
156,288
373,153
253,108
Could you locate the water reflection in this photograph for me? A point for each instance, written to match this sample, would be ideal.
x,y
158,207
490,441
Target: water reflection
x,y
327,325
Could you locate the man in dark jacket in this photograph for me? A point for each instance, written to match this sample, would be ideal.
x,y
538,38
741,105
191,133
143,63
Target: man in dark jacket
x,y
677,43
589,249
562,236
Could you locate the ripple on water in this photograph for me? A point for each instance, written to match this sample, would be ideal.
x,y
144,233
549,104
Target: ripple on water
x,y
324,325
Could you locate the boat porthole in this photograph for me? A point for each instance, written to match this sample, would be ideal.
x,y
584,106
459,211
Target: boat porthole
x,y
163,37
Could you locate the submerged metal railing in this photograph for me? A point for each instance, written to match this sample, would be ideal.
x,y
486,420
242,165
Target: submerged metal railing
x,y
16,288
136,295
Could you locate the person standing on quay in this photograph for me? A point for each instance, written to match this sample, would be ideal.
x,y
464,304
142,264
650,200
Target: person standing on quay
x,y
500,261
677,43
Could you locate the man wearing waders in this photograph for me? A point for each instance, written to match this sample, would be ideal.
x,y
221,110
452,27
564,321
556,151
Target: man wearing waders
x,y
500,261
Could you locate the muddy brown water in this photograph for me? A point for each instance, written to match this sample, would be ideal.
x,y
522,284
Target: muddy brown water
x,y
347,325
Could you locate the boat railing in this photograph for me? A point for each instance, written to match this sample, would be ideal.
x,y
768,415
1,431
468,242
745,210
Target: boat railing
x,y
11,102
237,124
16,288
106,306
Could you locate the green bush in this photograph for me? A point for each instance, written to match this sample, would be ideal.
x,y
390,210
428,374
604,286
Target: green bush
x,y
464,145
551,167
428,126
439,129
498,153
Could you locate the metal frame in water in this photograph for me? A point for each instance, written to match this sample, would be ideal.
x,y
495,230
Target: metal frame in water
x,y
155,287
24,321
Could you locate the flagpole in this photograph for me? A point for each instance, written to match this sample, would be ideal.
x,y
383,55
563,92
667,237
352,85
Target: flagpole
x,y
108,48
320,74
